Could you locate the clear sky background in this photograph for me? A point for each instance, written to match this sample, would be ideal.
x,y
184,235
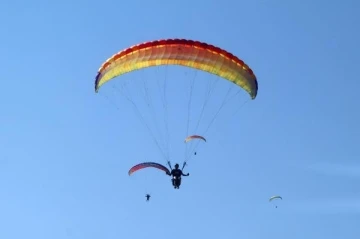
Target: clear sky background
x,y
65,150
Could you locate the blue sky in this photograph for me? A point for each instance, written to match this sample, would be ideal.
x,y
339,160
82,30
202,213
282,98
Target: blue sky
x,y
65,151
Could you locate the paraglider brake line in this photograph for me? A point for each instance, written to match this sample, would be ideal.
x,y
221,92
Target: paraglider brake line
x,y
169,164
184,164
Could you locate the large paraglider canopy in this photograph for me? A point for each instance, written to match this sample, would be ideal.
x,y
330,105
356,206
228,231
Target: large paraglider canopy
x,y
183,52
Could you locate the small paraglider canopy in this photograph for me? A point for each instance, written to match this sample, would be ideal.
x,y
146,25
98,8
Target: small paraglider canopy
x,y
274,197
191,137
148,165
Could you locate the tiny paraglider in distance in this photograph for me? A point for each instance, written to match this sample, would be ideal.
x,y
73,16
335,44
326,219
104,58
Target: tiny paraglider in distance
x,y
191,137
275,197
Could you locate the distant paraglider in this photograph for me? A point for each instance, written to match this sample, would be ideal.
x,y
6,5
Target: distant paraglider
x,y
275,197
189,138
144,165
